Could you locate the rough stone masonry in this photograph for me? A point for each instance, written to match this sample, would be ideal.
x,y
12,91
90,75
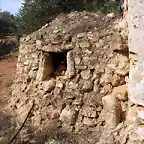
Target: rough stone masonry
x,y
70,68
136,42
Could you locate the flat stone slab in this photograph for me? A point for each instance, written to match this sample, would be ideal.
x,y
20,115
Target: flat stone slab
x,y
136,84
136,27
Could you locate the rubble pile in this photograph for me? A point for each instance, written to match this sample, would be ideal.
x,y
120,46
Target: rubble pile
x,y
75,71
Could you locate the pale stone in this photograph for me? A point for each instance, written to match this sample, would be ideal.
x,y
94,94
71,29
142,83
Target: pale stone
x,y
116,43
89,111
36,120
32,74
106,79
132,115
26,70
26,62
115,80
77,60
88,51
45,99
137,134
106,89
111,15
96,88
56,31
38,42
66,115
124,106
101,117
45,68
28,38
101,42
123,63
88,86
84,44
80,67
113,111
88,121
136,84
121,92
86,60
70,64
79,123
73,85
59,84
34,55
141,114
85,74
49,85
81,35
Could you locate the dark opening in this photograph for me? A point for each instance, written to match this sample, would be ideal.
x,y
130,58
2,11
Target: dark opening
x,y
59,63
55,65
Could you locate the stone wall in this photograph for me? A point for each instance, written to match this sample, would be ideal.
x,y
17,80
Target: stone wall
x,y
94,49
135,114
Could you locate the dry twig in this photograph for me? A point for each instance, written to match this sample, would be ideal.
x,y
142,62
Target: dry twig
x,y
13,138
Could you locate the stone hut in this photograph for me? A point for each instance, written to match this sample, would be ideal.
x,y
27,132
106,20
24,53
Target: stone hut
x,y
65,69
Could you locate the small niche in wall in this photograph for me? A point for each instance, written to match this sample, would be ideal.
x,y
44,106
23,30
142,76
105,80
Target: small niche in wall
x,y
55,64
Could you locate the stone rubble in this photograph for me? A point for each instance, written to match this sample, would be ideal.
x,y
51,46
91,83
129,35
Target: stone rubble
x,y
97,65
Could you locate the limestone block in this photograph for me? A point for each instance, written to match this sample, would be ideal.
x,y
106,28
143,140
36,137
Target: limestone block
x,y
88,121
136,84
49,85
66,115
113,111
86,74
88,86
72,85
137,134
136,27
85,44
132,115
121,92
77,60
70,65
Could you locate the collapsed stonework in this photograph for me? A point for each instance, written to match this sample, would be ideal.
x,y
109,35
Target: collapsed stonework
x,y
75,71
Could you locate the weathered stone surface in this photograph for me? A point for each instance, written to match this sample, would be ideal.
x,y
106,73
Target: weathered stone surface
x,y
48,86
88,121
137,134
118,44
85,74
88,86
70,64
113,111
91,71
136,26
135,85
121,92
132,115
88,111
84,44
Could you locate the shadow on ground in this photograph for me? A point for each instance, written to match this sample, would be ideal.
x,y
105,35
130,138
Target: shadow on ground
x,y
7,48
29,135
50,135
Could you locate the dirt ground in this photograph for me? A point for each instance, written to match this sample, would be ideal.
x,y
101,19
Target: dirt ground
x,y
7,72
